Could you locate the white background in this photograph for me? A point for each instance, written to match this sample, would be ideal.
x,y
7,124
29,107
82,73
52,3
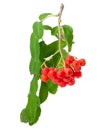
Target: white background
x,y
85,106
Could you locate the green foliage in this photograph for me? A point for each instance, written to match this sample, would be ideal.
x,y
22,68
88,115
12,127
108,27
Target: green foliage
x,y
24,116
32,106
34,46
37,34
52,88
44,15
47,27
54,31
65,54
29,114
43,46
32,111
52,54
37,115
50,49
53,47
43,94
68,33
38,29
35,66
34,85
54,60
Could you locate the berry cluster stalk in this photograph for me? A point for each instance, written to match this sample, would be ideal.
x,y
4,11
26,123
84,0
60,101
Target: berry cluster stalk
x,y
59,31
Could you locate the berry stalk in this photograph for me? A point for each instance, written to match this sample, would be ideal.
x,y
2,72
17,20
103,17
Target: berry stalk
x,y
59,32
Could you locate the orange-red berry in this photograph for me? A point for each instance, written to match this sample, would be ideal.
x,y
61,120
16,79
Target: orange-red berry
x,y
76,66
68,71
52,73
66,79
71,82
82,62
62,84
44,78
69,59
61,73
78,74
45,71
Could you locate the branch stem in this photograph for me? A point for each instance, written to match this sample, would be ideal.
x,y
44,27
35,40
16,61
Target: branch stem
x,y
59,32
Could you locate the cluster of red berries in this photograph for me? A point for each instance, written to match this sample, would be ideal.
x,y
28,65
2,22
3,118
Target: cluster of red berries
x,y
64,76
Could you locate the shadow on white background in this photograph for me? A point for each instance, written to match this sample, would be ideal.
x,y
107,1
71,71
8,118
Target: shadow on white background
x,y
87,104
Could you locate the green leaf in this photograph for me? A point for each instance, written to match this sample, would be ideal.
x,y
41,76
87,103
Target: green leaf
x,y
43,46
49,49
47,27
53,47
34,46
54,61
32,111
35,66
32,107
68,33
34,85
38,113
65,54
52,88
54,31
68,28
38,29
43,16
23,116
35,53
43,94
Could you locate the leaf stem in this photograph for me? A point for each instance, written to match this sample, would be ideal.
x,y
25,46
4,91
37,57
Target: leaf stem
x,y
59,31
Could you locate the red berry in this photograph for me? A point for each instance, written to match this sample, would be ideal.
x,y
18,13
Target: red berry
x,y
76,66
68,71
82,62
66,79
71,82
67,65
44,78
55,80
78,74
61,73
45,71
62,84
52,73
69,59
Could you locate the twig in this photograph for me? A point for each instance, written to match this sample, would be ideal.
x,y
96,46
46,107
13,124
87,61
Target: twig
x,y
61,9
59,31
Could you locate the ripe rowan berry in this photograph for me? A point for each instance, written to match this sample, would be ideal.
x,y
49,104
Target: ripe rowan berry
x,y
44,78
69,59
68,71
82,62
62,84
55,80
76,65
61,73
45,71
66,79
67,65
78,74
52,73
71,82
